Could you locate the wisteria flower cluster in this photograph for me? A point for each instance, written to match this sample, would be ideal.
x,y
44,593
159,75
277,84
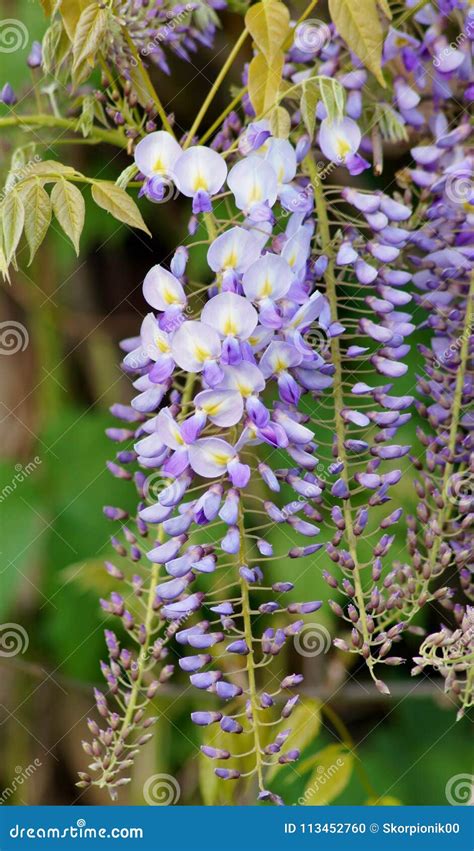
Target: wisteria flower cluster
x,y
291,354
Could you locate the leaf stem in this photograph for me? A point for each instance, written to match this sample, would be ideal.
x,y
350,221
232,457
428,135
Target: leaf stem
x,y
113,137
148,83
215,87
330,281
443,516
250,657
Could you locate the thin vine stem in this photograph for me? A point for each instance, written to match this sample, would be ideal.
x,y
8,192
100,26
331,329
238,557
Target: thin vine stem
x,y
330,282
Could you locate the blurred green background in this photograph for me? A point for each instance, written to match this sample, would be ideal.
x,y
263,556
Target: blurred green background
x,y
53,536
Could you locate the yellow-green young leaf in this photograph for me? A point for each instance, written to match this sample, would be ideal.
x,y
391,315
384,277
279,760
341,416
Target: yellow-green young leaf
x,y
85,121
69,209
305,725
384,801
222,793
47,7
309,101
13,219
116,201
332,772
358,23
268,23
4,266
50,170
264,82
50,45
37,216
90,30
333,97
384,6
71,11
280,123
126,176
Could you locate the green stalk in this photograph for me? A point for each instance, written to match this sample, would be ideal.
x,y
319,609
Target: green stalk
x,y
147,81
113,137
250,657
445,511
215,87
330,281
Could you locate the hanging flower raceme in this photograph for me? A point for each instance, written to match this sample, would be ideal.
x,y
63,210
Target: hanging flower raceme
x,y
203,405
298,335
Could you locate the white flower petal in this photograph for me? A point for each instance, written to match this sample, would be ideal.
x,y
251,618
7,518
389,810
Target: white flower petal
x,y
270,277
209,456
253,181
231,314
200,169
162,290
244,377
282,157
223,407
235,249
168,430
157,154
193,344
278,358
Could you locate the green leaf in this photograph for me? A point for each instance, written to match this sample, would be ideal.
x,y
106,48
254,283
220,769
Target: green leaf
x,y
333,97
280,123
333,771
358,23
69,209
37,216
90,30
126,176
71,11
309,102
50,169
264,82
268,23
384,6
85,121
305,725
114,200
13,218
389,124
4,265
50,45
